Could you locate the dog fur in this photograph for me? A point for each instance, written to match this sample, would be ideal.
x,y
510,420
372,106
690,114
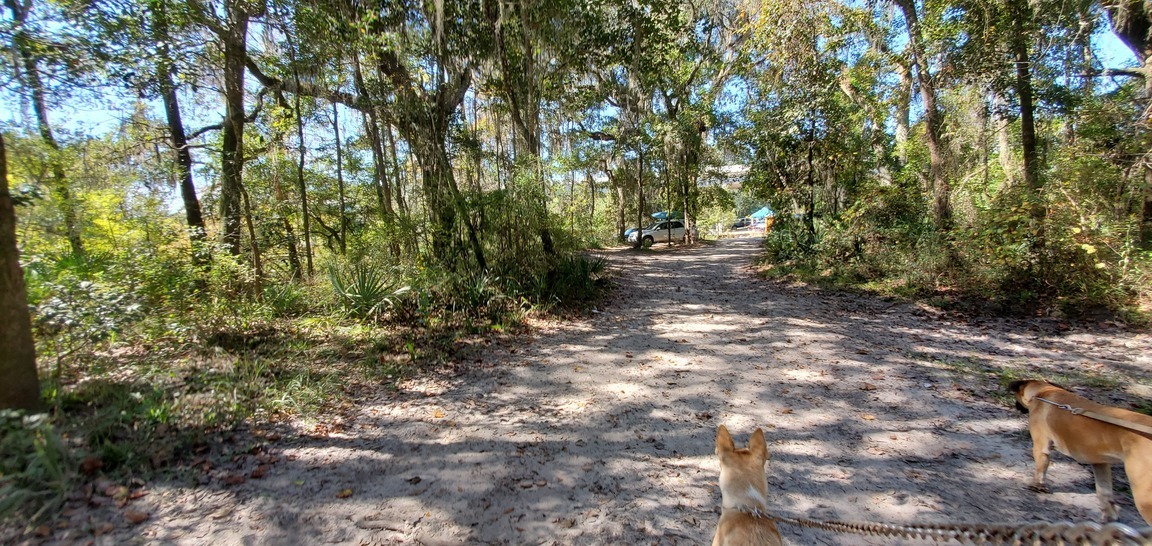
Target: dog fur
x,y
1089,441
744,490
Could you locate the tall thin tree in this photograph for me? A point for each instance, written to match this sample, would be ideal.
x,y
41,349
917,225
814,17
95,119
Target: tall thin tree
x,y
19,384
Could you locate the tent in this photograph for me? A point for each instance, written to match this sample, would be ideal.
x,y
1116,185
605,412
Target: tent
x,y
763,213
663,215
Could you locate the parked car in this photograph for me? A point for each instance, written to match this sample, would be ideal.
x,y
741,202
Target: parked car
x,y
660,232
742,223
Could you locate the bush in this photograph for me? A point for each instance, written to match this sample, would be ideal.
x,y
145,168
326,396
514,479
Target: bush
x,y
33,466
366,291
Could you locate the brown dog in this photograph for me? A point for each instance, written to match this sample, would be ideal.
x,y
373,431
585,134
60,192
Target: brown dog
x,y
744,491
1089,441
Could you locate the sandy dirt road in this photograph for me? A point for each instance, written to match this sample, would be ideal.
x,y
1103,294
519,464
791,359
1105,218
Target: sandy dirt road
x,y
600,431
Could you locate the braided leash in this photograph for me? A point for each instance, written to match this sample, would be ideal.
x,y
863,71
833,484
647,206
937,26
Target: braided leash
x,y
1059,534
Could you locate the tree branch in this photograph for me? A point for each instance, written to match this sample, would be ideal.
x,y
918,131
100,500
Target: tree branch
x,y
1115,72
306,89
250,118
597,135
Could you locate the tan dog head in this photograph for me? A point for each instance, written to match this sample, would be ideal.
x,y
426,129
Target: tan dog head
x,y
1027,389
742,480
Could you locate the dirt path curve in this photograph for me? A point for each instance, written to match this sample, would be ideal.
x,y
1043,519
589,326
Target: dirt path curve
x,y
601,431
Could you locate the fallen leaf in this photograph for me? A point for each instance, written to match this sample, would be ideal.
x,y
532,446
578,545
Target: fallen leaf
x,y
259,472
117,492
43,531
91,464
102,529
786,411
868,417
868,387
344,493
233,479
438,414
135,517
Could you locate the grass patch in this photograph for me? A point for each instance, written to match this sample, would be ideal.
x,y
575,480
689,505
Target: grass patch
x,y
138,410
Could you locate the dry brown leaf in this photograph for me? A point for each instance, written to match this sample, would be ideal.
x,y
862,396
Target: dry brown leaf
x,y
344,493
234,479
786,411
438,414
868,387
135,517
259,472
118,492
91,464
868,417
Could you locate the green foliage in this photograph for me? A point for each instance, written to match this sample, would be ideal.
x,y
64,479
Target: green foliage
x,y
366,291
34,464
574,280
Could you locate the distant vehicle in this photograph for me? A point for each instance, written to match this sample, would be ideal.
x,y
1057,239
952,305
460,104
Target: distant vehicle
x,y
660,232
742,223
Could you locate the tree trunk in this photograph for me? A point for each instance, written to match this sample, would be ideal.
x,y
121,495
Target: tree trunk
x,y
941,190
521,88
1023,13
396,176
617,187
59,189
810,208
232,160
257,264
639,200
283,205
1003,143
372,131
425,122
20,388
903,102
592,197
340,180
301,186
1021,16
197,234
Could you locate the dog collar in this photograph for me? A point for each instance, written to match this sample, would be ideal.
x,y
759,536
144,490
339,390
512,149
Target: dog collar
x,y
753,510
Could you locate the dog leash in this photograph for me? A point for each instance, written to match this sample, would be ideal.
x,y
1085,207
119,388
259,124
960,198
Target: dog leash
x,y
1099,416
1079,534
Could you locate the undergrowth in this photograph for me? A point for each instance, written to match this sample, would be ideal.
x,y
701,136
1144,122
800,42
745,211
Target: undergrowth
x,y
976,270
139,378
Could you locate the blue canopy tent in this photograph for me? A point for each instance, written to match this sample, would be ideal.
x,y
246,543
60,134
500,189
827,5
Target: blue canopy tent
x,y
763,213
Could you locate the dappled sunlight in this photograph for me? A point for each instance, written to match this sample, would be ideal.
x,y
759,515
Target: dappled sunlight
x,y
604,428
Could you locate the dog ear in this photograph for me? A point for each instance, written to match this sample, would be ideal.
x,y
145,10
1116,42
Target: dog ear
x,y
1017,386
758,445
724,441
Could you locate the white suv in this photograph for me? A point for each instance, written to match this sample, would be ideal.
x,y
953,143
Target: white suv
x,y
661,232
